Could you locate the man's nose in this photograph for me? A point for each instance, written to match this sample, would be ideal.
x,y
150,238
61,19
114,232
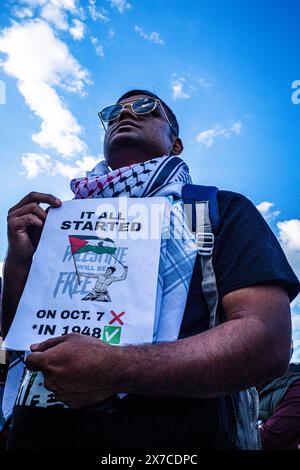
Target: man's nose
x,y
127,112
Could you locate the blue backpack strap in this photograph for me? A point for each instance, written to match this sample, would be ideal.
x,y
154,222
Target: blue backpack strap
x,y
201,208
192,193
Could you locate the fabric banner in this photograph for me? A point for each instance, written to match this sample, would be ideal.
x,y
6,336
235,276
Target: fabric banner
x,y
95,272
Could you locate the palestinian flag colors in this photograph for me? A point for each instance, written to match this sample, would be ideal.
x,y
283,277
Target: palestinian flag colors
x,y
82,244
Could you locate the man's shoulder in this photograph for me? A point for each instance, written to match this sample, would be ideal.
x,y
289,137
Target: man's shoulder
x,y
234,207
238,216
233,204
225,195
231,201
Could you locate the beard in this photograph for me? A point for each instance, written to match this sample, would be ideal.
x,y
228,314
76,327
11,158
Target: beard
x,y
127,148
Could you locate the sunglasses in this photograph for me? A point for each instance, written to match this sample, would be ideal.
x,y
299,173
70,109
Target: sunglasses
x,y
140,106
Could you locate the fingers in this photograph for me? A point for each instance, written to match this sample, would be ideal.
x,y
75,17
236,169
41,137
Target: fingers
x,y
49,384
24,233
32,208
35,197
21,223
35,361
48,344
25,224
52,342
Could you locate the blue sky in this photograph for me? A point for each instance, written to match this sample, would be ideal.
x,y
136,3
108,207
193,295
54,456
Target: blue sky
x,y
226,68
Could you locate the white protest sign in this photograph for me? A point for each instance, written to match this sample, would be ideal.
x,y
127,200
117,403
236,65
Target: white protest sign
x,y
94,272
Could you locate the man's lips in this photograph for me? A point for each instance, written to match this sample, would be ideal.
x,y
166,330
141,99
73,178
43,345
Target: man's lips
x,y
125,123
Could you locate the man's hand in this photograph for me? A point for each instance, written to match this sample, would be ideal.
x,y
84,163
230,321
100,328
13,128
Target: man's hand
x,y
25,224
80,370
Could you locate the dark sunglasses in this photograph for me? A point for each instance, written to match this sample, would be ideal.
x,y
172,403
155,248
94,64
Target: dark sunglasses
x,y
139,106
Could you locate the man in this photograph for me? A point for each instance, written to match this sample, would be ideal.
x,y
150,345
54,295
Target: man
x,y
175,390
100,291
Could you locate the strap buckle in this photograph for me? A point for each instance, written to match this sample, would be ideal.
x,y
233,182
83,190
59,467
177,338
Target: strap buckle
x,y
205,243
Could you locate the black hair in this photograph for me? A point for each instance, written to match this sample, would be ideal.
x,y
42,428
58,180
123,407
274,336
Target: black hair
x,y
112,268
169,112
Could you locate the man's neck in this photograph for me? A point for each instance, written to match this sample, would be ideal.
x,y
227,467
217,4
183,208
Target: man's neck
x,y
127,158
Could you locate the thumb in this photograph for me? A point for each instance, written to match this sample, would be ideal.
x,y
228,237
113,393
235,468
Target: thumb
x,y
49,343
35,361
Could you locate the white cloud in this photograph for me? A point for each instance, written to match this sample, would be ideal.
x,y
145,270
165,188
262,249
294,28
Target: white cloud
x,y
153,37
208,137
98,48
40,62
97,14
296,324
55,15
186,85
101,133
121,5
1,268
289,237
79,167
77,30
289,234
237,128
296,337
35,164
43,7
296,354
177,88
266,210
32,3
22,13
69,5
54,12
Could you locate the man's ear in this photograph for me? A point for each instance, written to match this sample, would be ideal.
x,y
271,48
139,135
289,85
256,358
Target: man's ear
x,y
177,146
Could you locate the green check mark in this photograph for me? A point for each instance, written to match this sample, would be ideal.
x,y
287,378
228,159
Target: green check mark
x,y
112,334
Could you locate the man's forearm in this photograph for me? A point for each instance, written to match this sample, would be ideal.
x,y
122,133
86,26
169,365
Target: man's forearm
x,y
230,357
14,280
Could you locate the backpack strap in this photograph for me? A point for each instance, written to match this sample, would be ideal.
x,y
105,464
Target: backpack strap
x,y
201,207
192,193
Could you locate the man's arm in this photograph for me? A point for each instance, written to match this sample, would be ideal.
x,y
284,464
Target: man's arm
x,y
88,275
14,280
250,347
122,277
25,222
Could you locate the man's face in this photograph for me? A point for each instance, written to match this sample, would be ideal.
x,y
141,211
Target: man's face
x,y
108,272
137,137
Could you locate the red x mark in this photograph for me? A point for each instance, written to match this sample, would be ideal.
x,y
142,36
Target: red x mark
x,y
116,317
